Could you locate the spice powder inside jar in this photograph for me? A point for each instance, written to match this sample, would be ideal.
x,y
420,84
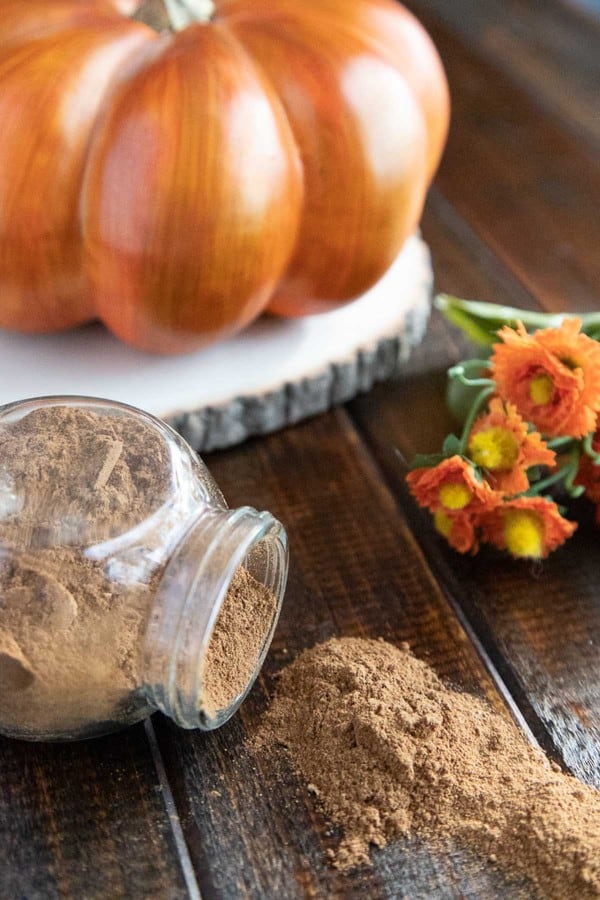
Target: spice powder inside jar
x,y
236,642
90,515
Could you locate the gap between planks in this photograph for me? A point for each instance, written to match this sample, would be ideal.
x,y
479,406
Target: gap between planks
x,y
185,860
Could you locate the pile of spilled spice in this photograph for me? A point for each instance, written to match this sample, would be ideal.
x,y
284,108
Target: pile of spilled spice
x,y
390,750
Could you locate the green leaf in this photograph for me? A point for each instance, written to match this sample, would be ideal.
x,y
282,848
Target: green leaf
x,y
590,325
451,445
479,333
482,321
427,460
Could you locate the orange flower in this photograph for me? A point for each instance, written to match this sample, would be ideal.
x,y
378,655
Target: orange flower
x,y
588,475
459,530
451,487
500,443
528,527
552,376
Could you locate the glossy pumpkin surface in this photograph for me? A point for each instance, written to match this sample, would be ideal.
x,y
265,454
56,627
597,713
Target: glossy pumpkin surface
x,y
176,185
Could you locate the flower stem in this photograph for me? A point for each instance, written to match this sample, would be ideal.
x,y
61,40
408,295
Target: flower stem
x,y
566,474
188,12
460,370
541,486
480,400
588,448
558,442
575,490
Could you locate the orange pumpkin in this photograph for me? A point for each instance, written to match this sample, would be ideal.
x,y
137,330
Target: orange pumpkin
x,y
176,185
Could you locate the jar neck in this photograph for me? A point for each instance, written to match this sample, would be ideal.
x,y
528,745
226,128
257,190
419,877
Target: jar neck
x,y
189,598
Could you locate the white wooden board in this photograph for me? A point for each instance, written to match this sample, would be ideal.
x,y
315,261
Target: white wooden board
x,y
275,373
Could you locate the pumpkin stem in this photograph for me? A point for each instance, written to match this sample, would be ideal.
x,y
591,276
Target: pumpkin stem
x,y
188,12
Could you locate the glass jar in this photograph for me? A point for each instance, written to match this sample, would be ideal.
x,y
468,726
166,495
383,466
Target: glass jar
x,y
126,584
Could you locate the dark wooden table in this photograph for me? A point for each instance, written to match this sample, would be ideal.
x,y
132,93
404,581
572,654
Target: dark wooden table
x,y
514,216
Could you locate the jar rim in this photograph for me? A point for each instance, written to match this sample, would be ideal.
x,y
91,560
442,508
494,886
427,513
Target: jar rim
x,y
189,599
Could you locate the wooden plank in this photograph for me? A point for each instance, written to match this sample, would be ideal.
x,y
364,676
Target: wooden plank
x,y
549,49
253,831
588,9
528,188
463,266
85,820
540,625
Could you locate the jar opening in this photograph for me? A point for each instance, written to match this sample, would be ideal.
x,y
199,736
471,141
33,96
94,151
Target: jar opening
x,y
216,612
239,639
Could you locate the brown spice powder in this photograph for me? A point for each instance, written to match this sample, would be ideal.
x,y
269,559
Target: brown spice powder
x,y
239,635
390,750
71,625
72,619
70,640
78,473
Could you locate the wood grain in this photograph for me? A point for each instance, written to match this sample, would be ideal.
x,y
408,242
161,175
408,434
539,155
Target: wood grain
x,y
543,47
85,820
528,188
253,831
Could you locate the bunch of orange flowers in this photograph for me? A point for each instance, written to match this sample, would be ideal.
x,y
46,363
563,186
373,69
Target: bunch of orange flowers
x,y
532,427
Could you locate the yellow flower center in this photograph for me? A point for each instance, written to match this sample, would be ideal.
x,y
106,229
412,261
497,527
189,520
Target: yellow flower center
x,y
495,448
524,533
541,389
455,496
442,523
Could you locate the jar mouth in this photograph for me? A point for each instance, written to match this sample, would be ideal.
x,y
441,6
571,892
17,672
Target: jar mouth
x,y
216,612
241,630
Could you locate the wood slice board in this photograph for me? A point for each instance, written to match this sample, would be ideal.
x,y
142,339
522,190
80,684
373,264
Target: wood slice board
x,y
275,373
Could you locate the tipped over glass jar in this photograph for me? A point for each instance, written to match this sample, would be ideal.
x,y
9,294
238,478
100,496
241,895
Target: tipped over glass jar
x,y
126,584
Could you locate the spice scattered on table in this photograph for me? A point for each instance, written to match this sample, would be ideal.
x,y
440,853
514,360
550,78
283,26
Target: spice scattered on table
x,y
390,750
